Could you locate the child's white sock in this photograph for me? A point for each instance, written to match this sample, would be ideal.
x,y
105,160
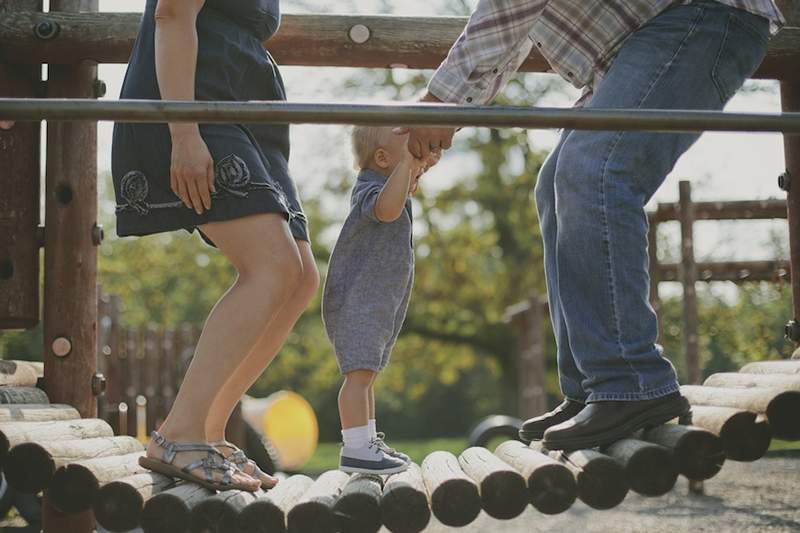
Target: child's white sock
x,y
356,437
373,428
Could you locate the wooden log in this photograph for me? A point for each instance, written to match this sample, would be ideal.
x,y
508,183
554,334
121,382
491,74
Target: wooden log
x,y
169,511
220,512
119,504
22,395
600,479
772,367
744,437
31,465
739,380
37,412
75,485
503,491
358,509
267,514
781,408
70,259
20,156
455,498
13,433
54,520
698,454
405,505
650,469
308,40
551,485
314,512
17,374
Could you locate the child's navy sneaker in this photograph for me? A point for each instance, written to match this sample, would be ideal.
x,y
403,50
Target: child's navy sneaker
x,y
380,440
370,460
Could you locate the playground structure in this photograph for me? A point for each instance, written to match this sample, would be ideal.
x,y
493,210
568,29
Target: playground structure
x,y
737,414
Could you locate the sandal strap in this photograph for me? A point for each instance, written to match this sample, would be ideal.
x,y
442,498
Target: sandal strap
x,y
209,464
174,448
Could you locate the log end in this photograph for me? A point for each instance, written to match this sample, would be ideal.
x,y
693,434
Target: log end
x,y
73,489
782,413
652,471
262,516
118,506
165,513
456,502
552,489
744,439
405,510
358,512
29,468
504,494
214,514
699,454
601,484
311,516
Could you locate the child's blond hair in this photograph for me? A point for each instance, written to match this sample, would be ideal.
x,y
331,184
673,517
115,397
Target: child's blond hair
x,y
366,140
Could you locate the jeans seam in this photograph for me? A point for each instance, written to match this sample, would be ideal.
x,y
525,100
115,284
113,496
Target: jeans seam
x,y
604,203
714,77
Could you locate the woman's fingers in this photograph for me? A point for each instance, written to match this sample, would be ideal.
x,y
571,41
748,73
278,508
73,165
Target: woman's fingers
x,y
196,195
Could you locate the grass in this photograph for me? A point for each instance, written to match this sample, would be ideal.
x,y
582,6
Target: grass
x,y
784,445
327,455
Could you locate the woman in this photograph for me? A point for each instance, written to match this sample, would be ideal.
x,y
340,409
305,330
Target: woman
x,y
231,182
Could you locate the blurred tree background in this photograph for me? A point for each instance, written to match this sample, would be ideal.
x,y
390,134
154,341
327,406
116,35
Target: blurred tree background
x,y
478,252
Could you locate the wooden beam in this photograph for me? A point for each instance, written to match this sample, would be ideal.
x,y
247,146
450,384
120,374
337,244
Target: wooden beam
x,y
308,40
19,202
735,210
70,293
735,271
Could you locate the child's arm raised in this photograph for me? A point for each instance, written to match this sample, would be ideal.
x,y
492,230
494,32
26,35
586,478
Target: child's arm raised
x,y
392,198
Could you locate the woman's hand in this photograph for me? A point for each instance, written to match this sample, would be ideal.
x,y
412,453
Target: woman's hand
x,y
192,171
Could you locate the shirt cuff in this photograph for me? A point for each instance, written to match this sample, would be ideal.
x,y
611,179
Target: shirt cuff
x,y
452,89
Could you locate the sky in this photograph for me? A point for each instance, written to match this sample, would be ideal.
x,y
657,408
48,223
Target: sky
x,y
721,166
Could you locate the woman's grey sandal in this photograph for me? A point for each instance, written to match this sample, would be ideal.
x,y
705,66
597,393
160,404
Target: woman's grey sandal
x,y
213,461
239,459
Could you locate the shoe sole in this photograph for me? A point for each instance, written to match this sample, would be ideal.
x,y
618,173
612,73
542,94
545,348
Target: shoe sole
x,y
657,416
527,436
384,471
169,470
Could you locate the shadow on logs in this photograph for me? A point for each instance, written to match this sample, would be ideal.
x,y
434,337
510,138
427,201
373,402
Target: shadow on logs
x,y
314,512
17,395
551,485
169,511
405,506
504,493
267,514
698,453
649,468
220,512
74,486
744,437
358,509
455,499
118,505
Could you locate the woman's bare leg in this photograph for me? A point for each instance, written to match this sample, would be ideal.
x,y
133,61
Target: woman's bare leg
x,y
267,347
262,250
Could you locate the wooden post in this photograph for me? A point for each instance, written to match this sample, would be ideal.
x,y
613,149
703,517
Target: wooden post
x,y
689,279
19,201
528,320
71,238
790,101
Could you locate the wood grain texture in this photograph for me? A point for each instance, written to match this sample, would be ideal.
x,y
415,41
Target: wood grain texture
x,y
503,490
314,512
17,373
119,504
455,497
169,511
650,468
267,513
405,504
358,509
37,412
308,40
744,436
772,367
220,512
741,380
22,395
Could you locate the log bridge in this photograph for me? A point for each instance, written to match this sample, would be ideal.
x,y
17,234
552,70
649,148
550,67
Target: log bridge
x,y
88,475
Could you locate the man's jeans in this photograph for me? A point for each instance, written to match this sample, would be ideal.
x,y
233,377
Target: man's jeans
x,y
593,188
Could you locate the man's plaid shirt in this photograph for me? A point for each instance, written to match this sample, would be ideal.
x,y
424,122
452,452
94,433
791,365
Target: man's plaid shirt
x,y
579,38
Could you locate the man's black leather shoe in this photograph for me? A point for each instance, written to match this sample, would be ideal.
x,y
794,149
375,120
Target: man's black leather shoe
x,y
602,423
534,428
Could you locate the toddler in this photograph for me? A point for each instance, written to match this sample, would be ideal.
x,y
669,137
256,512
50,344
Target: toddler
x,y
366,294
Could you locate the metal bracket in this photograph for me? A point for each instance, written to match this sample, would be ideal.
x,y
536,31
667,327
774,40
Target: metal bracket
x,y
792,330
46,30
785,181
98,384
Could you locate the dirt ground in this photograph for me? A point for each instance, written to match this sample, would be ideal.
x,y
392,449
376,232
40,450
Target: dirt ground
x,y
760,497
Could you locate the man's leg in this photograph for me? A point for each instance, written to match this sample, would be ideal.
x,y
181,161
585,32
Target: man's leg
x,y
690,57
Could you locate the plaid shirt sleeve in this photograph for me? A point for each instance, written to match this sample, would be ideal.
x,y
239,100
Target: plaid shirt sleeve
x,y
489,51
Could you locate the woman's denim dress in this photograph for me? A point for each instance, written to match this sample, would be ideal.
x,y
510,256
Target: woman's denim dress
x,y
250,160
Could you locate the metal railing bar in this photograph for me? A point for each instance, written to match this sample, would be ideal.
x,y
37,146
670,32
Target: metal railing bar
x,y
32,109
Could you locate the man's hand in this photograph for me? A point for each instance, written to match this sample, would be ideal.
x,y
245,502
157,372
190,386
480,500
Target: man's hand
x,y
422,141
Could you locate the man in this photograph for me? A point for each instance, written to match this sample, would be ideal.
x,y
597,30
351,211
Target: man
x,y
591,191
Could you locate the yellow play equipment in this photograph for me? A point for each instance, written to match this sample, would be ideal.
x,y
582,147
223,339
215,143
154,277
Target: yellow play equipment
x,y
288,421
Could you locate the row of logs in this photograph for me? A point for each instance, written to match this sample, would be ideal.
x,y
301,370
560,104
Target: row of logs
x,y
82,466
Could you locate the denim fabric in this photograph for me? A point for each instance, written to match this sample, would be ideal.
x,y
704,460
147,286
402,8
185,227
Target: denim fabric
x,y
593,188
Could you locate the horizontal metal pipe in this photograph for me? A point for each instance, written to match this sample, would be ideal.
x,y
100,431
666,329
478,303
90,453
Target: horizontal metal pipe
x,y
395,115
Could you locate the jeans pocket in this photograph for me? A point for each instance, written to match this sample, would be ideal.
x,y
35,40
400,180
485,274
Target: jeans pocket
x,y
743,47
